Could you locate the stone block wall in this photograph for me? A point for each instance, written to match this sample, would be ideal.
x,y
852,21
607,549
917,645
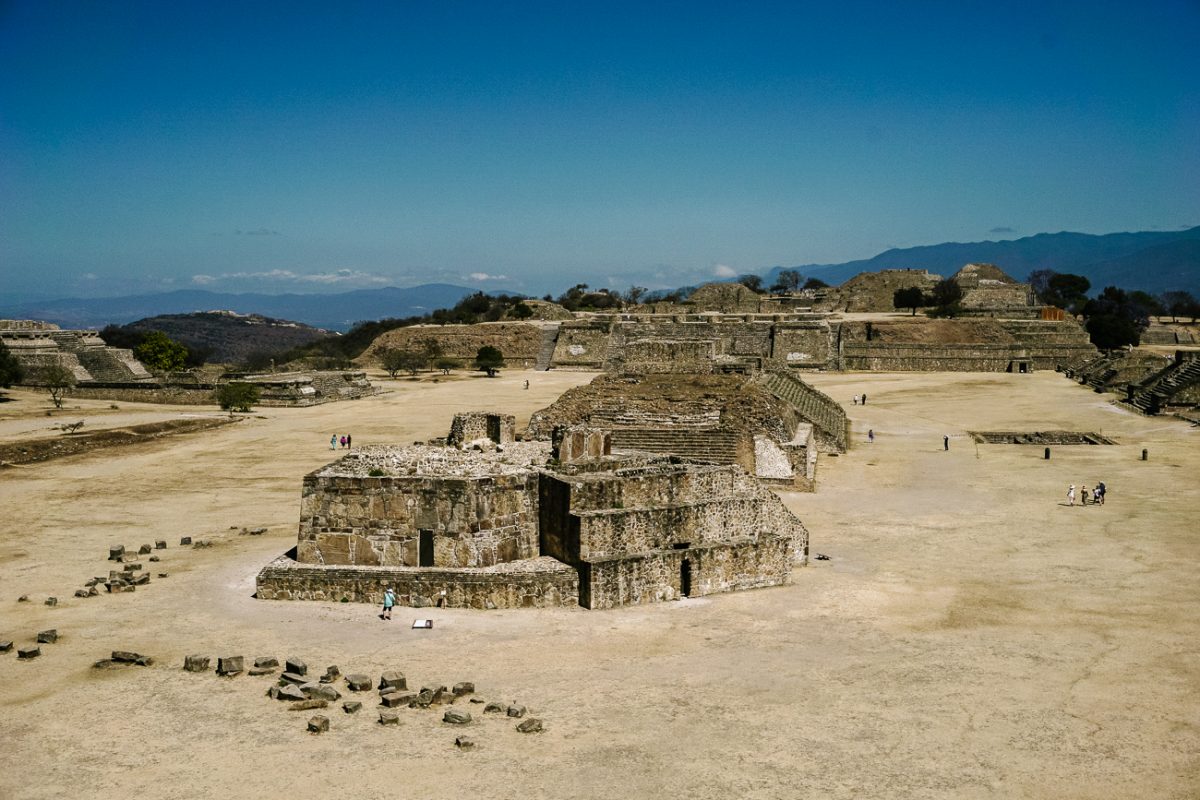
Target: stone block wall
x,y
656,577
582,344
471,426
539,583
475,522
803,345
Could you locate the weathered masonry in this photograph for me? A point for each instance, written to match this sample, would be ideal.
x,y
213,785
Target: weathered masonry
x,y
501,528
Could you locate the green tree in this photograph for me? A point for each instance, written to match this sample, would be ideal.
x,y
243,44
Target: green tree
x,y
911,297
447,364
237,396
634,294
161,353
787,282
489,359
395,360
522,310
1178,304
11,370
1062,289
752,282
431,349
58,381
1114,319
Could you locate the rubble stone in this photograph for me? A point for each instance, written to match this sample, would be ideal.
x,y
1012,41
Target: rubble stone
x,y
464,743
393,680
29,652
318,724
516,711
264,662
196,663
358,682
351,706
389,718
494,708
308,705
115,552
322,691
290,691
160,544
185,540
5,646
291,677
531,725
456,716
296,666
396,699
144,549
48,636
464,688
230,665
51,601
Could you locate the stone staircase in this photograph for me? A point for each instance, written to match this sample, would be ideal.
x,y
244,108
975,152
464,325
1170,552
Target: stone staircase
x,y
546,350
827,417
711,445
1149,396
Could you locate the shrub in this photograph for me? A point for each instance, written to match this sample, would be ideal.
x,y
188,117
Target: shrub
x,y
237,396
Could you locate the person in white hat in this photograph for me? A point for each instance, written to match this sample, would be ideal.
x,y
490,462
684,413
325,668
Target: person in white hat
x,y
1071,495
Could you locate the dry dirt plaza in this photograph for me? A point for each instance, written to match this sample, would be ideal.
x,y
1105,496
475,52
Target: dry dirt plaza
x,y
970,635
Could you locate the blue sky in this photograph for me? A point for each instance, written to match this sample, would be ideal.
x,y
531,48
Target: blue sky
x,y
528,146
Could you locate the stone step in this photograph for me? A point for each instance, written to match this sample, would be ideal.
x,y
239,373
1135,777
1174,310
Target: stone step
x,y
546,349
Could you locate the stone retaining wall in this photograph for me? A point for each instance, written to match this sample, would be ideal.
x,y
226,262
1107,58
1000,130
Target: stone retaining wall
x,y
540,583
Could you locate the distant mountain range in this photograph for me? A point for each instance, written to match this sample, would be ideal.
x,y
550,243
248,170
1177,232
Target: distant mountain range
x,y
230,338
1152,261
334,311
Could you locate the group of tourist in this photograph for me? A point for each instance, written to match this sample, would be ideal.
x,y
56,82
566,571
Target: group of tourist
x,y
860,399
345,441
1096,497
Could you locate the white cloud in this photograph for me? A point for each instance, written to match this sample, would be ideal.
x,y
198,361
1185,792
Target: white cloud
x,y
347,276
724,271
483,276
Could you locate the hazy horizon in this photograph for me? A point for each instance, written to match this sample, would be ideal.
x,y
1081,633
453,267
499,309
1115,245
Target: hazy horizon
x,y
305,148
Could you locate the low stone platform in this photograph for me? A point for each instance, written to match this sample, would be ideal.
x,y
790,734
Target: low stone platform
x,y
541,582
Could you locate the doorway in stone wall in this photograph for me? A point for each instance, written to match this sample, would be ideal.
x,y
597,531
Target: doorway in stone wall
x,y
425,549
685,578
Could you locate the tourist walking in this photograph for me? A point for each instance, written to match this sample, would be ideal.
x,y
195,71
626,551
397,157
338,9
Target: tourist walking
x,y
1101,490
1071,495
871,435
1083,495
349,442
389,600
863,400
855,399
343,442
333,442
945,442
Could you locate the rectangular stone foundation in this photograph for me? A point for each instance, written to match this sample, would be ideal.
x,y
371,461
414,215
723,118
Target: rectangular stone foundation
x,y
537,583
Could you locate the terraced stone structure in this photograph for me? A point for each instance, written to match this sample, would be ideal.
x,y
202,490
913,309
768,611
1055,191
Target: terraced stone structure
x,y
515,527
38,345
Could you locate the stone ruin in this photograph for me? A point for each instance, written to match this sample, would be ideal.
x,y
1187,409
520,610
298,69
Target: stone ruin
x,y
524,524
38,345
772,425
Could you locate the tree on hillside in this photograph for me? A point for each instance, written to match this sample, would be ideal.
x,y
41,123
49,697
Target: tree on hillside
x,y
521,310
1060,289
1179,304
752,282
1114,320
237,396
489,359
787,282
57,380
944,298
11,370
815,283
161,353
911,297
634,294
446,364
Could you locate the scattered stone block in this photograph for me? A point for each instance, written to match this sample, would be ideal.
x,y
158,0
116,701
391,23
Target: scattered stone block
x,y
129,558
464,688
6,646
92,592
296,666
144,549
92,582
230,665
332,673
257,671
200,544
494,708
195,663
141,579
456,716
477,700
256,531
263,662
153,558
289,691
438,694
184,540
273,692
160,544
396,699
130,657
29,652
351,706
308,705
291,677
422,700
389,718
358,682
48,636
115,552
51,601
23,598
392,680
163,574
516,711
322,691
81,592
463,743
318,724
531,725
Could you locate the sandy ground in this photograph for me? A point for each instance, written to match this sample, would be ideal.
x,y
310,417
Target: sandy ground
x,y
970,636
